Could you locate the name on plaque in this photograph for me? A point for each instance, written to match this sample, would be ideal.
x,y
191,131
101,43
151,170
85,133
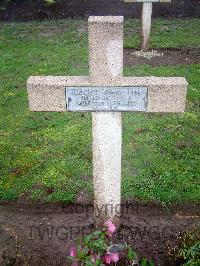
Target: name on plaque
x,y
119,99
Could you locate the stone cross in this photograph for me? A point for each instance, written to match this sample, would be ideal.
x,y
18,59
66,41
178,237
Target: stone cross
x,y
106,93
146,20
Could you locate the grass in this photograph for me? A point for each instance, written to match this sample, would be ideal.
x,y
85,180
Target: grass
x,y
163,149
176,33
47,155
187,249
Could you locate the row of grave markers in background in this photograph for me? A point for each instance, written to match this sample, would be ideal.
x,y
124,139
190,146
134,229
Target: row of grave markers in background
x,y
106,93
146,20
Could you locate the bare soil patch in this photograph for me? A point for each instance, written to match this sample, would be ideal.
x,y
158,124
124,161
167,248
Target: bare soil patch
x,y
42,233
26,10
169,57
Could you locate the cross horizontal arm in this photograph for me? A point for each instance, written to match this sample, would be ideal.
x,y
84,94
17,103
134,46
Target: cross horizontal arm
x,y
166,94
47,93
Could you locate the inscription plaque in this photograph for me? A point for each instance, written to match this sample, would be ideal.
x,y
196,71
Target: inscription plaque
x,y
119,99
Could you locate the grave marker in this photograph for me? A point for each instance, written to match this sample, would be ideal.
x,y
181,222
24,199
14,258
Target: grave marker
x,y
146,20
105,92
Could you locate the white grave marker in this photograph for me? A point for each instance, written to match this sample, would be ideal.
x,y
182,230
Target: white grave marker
x,y
146,20
106,93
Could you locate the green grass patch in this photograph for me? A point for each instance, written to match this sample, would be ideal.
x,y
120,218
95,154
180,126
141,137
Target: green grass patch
x,y
161,151
46,155
171,33
187,250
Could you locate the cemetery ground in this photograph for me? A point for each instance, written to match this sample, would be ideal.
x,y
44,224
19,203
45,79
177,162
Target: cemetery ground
x,y
46,158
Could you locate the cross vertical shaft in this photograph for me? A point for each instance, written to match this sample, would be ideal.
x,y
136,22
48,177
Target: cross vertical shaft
x,y
146,24
106,64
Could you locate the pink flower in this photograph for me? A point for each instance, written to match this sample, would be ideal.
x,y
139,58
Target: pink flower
x,y
115,257
73,252
74,264
109,258
111,227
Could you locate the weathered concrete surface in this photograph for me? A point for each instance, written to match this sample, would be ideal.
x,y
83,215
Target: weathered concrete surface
x,y
106,64
146,25
107,142
164,94
47,93
105,48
